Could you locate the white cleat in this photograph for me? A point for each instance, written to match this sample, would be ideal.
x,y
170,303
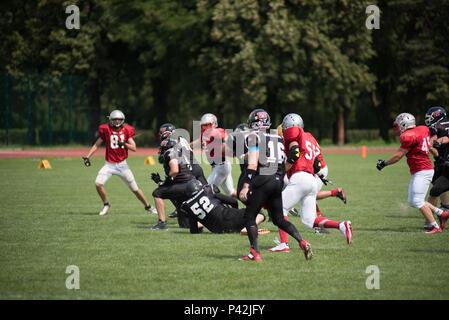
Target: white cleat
x,y
280,247
346,228
151,209
105,210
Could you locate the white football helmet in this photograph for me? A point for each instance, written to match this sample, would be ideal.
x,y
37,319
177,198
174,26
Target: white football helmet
x,y
208,120
116,115
404,121
292,120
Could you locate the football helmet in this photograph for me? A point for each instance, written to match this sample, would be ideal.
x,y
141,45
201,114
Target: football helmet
x,y
165,131
434,115
193,187
259,119
404,121
116,115
208,120
242,127
292,120
166,145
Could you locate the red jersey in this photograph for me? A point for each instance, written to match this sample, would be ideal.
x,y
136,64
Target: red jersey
x,y
319,155
114,153
308,149
417,142
211,141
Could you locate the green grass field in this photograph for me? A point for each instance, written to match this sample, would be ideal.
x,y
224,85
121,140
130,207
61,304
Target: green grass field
x,y
49,220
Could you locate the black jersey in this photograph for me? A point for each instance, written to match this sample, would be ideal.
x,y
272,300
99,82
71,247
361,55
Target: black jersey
x,y
271,152
441,129
184,165
211,209
237,143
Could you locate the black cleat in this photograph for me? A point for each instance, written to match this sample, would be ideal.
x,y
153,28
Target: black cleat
x,y
161,225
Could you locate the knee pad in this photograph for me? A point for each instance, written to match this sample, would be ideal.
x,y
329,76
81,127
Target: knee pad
x,y
415,203
308,220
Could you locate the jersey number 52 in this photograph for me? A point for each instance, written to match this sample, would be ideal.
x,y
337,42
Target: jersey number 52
x,y
202,207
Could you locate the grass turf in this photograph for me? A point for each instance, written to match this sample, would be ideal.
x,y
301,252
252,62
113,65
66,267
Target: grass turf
x,y
49,220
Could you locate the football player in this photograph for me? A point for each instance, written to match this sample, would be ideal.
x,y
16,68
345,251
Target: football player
x,y
178,172
118,138
263,182
213,142
211,208
415,145
302,149
439,128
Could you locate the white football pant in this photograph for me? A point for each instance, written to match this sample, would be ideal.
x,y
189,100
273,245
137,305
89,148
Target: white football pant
x,y
302,188
417,189
120,169
221,176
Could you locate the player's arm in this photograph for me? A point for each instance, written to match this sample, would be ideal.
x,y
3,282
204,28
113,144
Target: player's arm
x,y
174,168
227,200
293,154
440,141
92,150
392,160
251,171
130,144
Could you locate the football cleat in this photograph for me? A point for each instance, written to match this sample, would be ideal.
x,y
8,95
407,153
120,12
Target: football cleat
x,y
174,214
341,195
252,255
434,230
346,228
105,210
307,248
280,247
428,225
161,225
260,232
443,219
321,230
294,212
151,209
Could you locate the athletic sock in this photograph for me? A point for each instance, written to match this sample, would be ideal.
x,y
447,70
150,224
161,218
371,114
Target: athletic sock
x,y
318,212
334,192
321,222
438,212
435,224
282,234
106,204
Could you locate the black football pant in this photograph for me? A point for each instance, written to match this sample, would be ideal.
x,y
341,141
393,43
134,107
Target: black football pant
x,y
267,191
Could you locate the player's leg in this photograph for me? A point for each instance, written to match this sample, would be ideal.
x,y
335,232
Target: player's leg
x,y
276,209
103,176
159,194
228,182
128,178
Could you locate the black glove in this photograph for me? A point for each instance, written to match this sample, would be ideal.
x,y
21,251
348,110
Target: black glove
x,y
86,161
121,144
324,179
436,144
381,164
156,178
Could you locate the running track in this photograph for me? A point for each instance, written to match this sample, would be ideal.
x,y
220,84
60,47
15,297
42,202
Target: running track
x,y
42,153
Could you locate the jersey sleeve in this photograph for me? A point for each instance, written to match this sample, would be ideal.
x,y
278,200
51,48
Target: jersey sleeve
x,y
290,135
102,131
131,132
407,142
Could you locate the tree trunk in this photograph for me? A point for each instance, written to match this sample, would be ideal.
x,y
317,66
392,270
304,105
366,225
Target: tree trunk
x,y
340,127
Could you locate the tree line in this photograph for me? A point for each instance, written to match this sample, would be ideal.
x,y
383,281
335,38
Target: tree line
x,y
171,61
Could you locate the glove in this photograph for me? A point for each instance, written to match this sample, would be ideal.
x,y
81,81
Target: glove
x,y
324,179
436,144
156,178
121,144
381,164
86,161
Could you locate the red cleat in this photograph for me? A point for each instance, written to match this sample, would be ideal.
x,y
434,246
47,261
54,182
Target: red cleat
x,y
346,228
307,248
341,194
443,219
434,230
252,255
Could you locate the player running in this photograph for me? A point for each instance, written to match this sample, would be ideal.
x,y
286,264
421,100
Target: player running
x,y
213,142
302,149
263,182
118,138
415,145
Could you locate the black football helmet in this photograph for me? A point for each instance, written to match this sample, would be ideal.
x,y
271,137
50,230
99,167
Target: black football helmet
x,y
259,119
166,145
434,115
165,131
193,187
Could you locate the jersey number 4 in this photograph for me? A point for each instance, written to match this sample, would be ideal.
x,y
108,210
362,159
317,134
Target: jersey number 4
x,y
115,139
202,207
425,145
